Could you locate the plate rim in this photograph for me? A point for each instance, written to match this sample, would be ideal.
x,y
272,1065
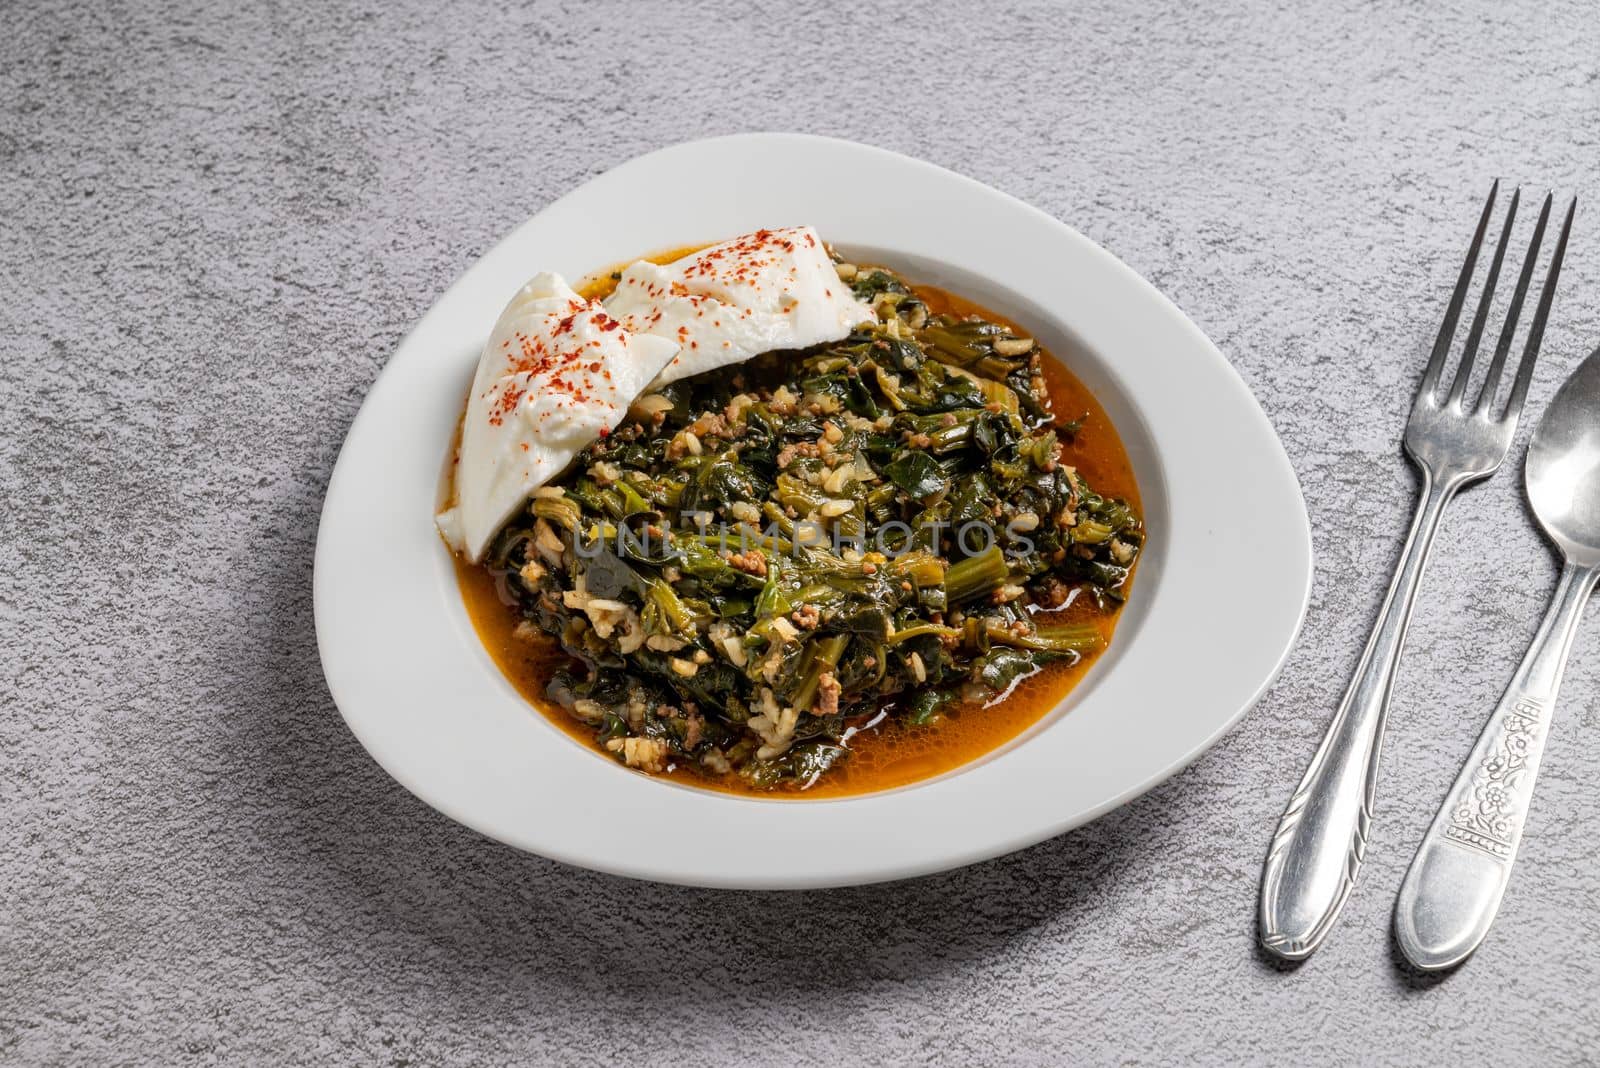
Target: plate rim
x,y
335,651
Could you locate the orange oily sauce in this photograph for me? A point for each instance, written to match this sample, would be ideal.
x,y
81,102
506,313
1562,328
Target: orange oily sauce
x,y
890,754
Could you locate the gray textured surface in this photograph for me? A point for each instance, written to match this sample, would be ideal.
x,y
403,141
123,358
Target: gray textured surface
x,y
214,227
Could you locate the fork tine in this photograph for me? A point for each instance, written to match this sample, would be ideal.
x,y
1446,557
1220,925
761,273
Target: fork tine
x,y
1491,382
1447,330
1530,350
1474,335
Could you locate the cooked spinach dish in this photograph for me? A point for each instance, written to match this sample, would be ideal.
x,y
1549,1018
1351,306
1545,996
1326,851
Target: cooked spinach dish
x,y
760,561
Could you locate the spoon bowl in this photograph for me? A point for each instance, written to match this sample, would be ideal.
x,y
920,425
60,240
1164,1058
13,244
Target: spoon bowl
x,y
1563,469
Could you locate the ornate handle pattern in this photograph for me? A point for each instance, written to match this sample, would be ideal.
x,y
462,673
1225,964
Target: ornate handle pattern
x,y
1453,888
1321,839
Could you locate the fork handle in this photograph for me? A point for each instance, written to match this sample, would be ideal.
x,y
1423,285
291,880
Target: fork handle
x,y
1317,850
1453,888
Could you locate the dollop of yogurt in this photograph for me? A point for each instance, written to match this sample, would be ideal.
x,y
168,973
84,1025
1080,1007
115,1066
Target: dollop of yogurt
x,y
557,373
773,289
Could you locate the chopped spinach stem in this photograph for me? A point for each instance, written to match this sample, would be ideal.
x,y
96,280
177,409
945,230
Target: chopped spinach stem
x,y
976,576
762,562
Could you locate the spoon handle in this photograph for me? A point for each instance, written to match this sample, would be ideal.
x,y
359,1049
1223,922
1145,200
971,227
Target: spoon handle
x,y
1453,888
1318,846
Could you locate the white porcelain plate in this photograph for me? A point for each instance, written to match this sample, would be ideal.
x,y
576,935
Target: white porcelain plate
x,y
1217,602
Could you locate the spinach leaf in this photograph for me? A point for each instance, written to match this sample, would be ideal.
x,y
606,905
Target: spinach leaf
x,y
918,474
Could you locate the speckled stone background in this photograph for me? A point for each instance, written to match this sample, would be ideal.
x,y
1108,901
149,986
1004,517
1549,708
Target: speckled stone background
x,y
216,224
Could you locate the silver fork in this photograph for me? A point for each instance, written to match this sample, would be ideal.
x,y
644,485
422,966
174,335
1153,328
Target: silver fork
x,y
1317,850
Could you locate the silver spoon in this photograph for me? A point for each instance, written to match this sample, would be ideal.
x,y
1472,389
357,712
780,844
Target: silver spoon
x,y
1450,895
